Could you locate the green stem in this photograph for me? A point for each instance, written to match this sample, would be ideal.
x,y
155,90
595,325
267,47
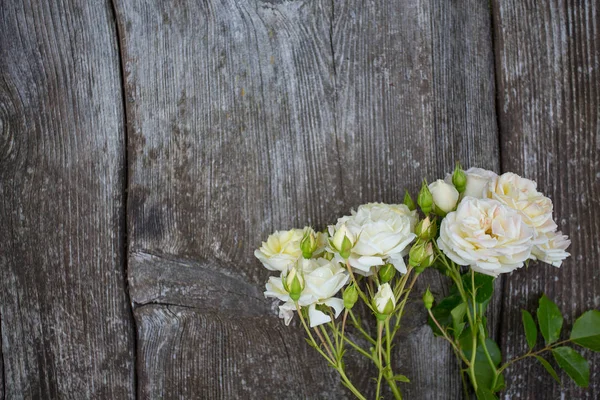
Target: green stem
x,y
314,342
405,300
359,349
349,384
360,329
531,354
326,335
337,365
358,289
378,390
473,331
389,375
445,334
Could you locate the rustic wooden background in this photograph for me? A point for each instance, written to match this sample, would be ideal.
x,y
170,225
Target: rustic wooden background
x,y
147,147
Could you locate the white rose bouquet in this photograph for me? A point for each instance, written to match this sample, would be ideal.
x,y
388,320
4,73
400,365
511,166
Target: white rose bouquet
x,y
488,225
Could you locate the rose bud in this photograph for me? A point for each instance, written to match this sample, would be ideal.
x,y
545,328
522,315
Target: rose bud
x,y
425,199
428,299
293,283
343,241
384,301
308,245
350,296
426,229
445,196
386,273
459,179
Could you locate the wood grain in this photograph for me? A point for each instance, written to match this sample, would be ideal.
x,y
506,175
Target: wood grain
x,y
548,72
65,322
230,129
250,116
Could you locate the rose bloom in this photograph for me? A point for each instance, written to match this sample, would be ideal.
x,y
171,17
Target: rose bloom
x,y
486,235
521,194
381,233
281,250
552,251
323,279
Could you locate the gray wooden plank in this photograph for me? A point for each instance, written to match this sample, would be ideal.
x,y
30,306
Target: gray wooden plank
x,y
1,363
176,342
229,124
240,123
414,93
65,321
548,73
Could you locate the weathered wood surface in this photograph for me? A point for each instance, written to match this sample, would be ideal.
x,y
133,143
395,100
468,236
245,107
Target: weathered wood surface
x,y
65,320
245,117
548,71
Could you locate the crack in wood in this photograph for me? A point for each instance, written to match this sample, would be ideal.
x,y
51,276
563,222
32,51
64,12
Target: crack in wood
x,y
125,189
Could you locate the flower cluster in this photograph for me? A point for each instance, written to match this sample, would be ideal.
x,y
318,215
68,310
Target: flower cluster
x,y
489,223
495,223
315,266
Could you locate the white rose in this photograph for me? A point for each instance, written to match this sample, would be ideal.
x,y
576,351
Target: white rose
x,y
478,181
553,250
486,235
521,194
384,299
323,280
381,233
445,196
281,250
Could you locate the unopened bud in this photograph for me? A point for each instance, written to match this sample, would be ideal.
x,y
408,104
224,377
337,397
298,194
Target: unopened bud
x,y
425,199
416,254
308,245
386,273
408,201
384,300
423,257
459,179
426,229
428,299
293,283
343,241
350,296
445,196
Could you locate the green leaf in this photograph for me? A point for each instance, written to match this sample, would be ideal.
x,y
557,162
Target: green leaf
x,y
401,378
586,330
485,394
442,313
550,319
548,367
484,284
574,365
530,328
458,316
